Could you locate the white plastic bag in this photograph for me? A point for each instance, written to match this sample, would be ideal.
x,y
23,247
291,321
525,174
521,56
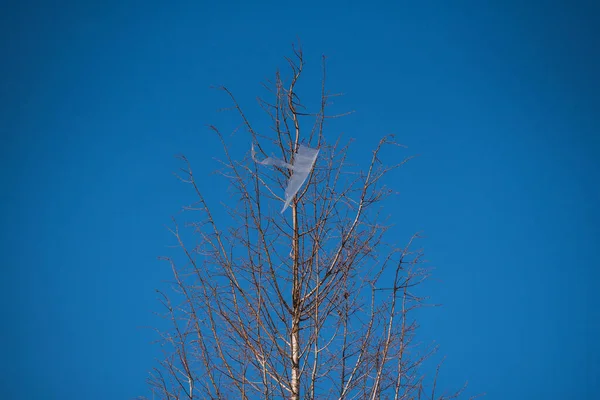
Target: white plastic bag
x,y
304,160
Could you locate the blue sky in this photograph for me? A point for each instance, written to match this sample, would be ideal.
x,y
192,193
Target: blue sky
x,y
500,99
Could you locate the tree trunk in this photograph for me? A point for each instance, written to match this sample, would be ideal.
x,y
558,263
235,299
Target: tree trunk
x,y
295,333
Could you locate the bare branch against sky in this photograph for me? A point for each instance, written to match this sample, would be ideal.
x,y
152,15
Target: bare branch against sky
x,y
309,303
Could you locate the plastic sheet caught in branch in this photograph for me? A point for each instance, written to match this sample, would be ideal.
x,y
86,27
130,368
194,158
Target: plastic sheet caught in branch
x,y
303,163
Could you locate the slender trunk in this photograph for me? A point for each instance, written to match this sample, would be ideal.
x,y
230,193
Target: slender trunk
x,y
295,360
295,339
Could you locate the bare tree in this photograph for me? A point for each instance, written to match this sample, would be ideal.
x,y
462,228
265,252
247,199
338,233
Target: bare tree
x,y
309,303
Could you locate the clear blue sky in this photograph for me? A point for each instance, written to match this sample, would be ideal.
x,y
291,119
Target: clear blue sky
x,y
501,99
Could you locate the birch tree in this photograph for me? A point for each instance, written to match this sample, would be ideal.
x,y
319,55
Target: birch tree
x,y
313,302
